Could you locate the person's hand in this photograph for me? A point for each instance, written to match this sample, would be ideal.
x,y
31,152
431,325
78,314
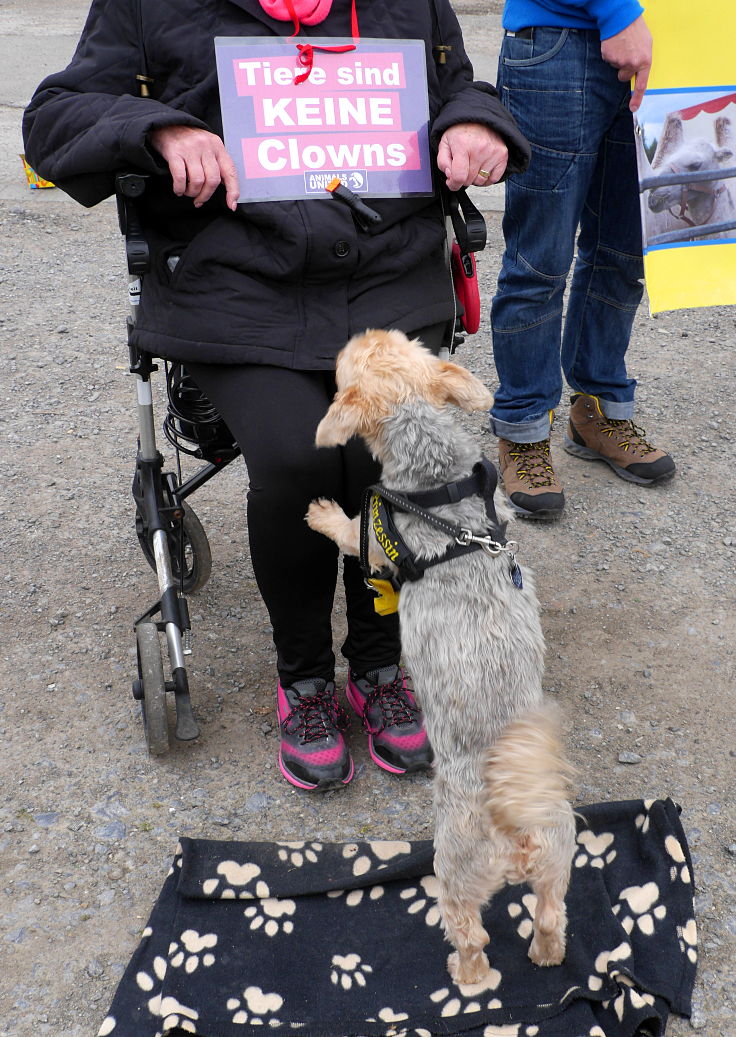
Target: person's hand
x,y
630,51
198,163
471,154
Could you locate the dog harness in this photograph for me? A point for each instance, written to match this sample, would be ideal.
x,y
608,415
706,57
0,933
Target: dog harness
x,y
379,504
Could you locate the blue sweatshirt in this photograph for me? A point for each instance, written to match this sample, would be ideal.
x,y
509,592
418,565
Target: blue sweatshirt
x,y
607,16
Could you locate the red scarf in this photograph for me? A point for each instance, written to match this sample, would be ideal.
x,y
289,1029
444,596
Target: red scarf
x,y
310,12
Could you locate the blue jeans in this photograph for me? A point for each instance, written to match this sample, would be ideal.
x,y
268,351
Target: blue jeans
x,y
574,111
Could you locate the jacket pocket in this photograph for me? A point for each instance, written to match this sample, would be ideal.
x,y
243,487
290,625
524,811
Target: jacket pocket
x,y
179,260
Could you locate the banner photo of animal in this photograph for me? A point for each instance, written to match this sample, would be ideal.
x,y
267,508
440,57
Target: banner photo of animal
x,y
686,154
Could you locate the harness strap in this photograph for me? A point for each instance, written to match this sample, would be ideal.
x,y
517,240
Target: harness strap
x,y
376,513
482,481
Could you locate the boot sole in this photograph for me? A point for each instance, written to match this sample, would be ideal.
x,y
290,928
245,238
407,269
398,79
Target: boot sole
x,y
587,454
540,515
543,515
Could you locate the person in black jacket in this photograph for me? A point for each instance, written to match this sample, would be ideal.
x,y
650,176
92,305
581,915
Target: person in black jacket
x,y
256,300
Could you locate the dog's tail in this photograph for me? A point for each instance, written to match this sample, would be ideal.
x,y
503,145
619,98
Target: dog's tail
x,y
527,777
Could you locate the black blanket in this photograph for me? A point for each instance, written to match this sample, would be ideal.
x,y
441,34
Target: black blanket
x,y
343,940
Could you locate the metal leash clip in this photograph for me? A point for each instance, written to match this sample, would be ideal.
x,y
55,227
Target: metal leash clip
x,y
488,544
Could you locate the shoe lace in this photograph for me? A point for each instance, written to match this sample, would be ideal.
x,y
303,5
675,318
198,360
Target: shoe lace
x,y
533,463
629,435
393,703
314,717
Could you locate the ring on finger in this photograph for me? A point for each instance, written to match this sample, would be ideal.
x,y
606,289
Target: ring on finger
x,y
484,173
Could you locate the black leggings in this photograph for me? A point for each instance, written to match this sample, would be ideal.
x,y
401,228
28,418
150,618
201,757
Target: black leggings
x,y
273,413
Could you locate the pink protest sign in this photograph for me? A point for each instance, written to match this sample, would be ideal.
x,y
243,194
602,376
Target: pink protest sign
x,y
361,115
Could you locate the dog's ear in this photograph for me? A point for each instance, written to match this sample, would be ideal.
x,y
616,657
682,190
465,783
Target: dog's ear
x,y
459,387
344,419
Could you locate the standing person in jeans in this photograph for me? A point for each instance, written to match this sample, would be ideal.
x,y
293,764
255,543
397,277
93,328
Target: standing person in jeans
x,y
257,299
564,73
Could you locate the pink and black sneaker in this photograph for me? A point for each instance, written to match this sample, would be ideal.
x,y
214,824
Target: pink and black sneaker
x,y
396,737
313,754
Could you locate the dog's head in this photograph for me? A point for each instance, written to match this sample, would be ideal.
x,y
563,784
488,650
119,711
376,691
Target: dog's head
x,y
378,371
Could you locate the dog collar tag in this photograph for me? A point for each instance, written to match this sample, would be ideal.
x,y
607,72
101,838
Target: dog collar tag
x,y
516,576
387,598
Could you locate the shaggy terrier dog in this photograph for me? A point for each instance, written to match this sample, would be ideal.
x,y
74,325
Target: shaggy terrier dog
x,y
472,640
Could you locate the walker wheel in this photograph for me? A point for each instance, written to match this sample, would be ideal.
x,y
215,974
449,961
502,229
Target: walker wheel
x,y
196,547
153,686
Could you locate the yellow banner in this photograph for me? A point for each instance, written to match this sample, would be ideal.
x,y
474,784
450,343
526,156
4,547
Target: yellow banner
x,y
686,149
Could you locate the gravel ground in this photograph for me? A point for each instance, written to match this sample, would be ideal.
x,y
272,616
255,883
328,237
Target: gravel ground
x,y
636,585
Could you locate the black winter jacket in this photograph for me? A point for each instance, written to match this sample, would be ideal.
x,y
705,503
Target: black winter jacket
x,y
284,283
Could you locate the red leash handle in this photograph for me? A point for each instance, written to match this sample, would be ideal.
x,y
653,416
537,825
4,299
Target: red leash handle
x,y
465,280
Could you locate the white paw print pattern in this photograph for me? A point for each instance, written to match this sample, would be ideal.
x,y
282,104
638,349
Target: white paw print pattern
x,y
424,899
525,913
642,820
108,1026
234,878
192,950
255,1007
348,970
596,850
298,854
511,1030
471,1000
603,965
641,902
272,916
383,850
353,897
145,981
392,1017
173,1014
688,940
679,867
630,994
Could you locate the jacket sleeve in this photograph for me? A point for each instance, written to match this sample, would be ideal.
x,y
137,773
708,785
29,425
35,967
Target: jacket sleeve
x,y
468,100
87,123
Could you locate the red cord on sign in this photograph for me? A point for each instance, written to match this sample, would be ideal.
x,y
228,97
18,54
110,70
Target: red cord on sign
x,y
306,50
306,57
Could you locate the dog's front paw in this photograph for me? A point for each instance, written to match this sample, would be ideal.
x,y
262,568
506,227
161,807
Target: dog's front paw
x,y
472,969
322,514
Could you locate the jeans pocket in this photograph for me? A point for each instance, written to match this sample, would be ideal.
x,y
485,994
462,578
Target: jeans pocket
x,y
518,53
545,92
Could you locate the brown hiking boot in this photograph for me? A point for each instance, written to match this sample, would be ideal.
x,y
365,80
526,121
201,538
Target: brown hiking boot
x,y
618,442
533,489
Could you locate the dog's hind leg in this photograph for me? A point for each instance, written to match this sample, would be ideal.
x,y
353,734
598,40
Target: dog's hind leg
x,y
549,883
464,866
527,780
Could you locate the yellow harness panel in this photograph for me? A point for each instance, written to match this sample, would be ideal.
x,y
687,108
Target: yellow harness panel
x,y
387,599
